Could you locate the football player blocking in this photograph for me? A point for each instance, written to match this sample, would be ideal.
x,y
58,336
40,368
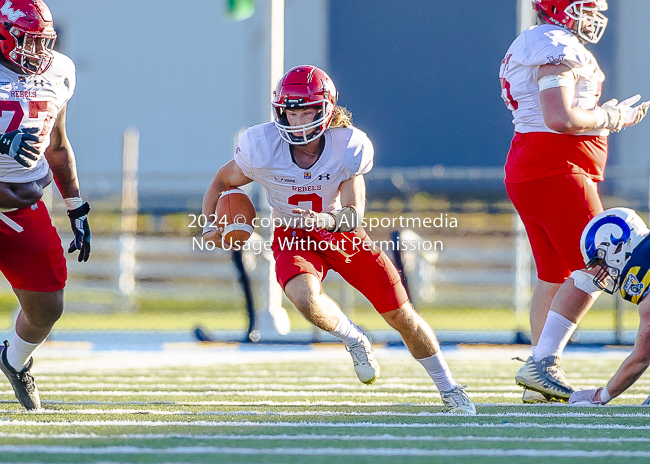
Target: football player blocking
x,y
552,84
616,248
311,163
35,86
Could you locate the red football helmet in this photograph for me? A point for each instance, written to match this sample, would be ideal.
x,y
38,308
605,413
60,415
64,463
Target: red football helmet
x,y
581,17
27,34
301,87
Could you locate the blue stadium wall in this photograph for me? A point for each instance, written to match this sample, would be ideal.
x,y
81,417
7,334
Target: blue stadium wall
x,y
421,77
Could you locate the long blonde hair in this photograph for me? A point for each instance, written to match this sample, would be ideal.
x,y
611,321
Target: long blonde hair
x,y
342,117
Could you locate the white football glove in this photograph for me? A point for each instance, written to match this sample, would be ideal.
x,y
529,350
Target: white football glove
x,y
585,398
616,116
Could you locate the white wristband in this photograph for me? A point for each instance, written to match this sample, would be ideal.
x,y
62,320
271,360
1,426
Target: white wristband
x,y
604,395
73,202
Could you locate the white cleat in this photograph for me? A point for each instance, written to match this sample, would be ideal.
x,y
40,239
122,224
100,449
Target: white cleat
x,y
365,364
546,377
457,401
533,397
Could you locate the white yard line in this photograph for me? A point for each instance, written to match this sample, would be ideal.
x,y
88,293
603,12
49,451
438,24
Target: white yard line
x,y
254,393
303,424
329,451
323,403
433,395
316,437
340,381
531,415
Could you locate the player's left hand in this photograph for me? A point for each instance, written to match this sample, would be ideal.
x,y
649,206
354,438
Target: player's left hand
x,y
19,145
633,115
312,220
81,230
586,398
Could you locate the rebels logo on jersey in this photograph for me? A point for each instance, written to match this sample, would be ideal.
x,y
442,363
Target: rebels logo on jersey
x,y
263,156
33,102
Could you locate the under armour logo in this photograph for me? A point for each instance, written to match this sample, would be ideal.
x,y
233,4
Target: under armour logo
x,y
10,13
41,82
324,176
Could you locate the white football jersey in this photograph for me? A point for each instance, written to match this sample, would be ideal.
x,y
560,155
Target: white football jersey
x,y
263,156
28,101
538,46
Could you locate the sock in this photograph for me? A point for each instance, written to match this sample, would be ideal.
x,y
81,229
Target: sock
x,y
533,348
438,370
555,335
347,331
20,351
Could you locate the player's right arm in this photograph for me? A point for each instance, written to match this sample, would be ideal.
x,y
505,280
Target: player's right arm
x,y
230,176
639,360
557,92
631,369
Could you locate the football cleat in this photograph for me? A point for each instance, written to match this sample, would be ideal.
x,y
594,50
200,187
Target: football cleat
x,y
546,377
365,364
457,401
21,381
533,397
646,402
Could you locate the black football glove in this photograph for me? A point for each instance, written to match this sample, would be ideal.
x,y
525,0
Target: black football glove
x,y
17,144
81,230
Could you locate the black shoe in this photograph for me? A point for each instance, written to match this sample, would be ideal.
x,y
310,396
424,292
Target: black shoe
x,y
22,382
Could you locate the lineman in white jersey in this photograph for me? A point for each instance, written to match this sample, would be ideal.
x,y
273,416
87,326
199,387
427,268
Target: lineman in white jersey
x,y
35,86
552,84
547,44
311,163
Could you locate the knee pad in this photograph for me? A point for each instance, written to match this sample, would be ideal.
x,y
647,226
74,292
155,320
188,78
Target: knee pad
x,y
585,282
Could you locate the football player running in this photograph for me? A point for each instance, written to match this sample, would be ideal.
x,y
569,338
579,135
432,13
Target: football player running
x,y
35,86
311,163
552,84
616,246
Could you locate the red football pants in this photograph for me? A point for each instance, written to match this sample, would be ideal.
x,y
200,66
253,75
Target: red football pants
x,y
555,210
32,259
368,270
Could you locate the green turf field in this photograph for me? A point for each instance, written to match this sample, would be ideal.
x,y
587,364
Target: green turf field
x,y
240,404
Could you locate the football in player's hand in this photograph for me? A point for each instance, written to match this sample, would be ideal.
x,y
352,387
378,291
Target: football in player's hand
x,y
235,213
